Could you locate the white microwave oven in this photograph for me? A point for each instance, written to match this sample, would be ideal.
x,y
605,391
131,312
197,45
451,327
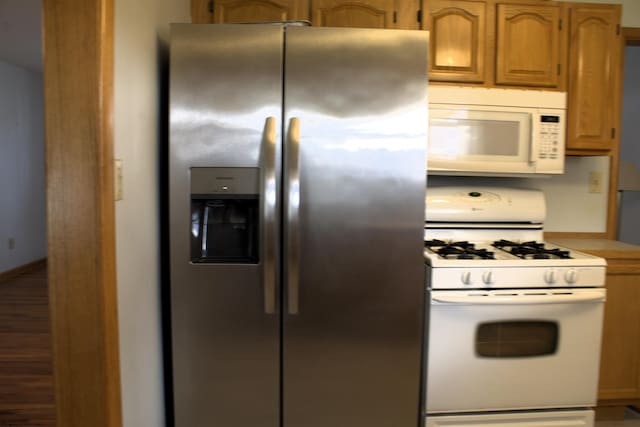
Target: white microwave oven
x,y
495,132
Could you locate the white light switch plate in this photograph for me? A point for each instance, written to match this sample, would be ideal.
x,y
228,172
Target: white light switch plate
x,y
117,175
595,182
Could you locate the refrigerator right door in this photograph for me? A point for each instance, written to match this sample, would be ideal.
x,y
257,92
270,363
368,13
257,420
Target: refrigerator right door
x,y
355,132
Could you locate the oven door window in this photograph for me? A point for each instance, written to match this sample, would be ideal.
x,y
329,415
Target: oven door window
x,y
522,338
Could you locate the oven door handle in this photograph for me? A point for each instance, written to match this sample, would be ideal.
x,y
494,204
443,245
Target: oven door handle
x,y
523,299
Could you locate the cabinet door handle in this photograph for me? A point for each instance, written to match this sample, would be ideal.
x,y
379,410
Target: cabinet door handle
x,y
535,149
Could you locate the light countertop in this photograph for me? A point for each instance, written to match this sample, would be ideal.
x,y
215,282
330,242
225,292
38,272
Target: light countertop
x,y
622,258
600,247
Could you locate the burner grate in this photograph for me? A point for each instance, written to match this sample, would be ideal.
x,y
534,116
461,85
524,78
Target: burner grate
x,y
458,250
531,250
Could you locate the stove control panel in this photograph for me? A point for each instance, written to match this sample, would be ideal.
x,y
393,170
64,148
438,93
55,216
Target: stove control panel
x,y
517,277
484,204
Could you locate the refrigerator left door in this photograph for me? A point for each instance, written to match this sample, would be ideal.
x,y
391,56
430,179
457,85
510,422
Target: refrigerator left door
x,y
225,118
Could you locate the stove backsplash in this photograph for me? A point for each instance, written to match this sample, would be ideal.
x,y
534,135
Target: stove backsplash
x,y
568,196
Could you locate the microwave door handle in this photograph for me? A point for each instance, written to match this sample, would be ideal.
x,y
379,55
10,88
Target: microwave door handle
x,y
535,149
519,299
292,208
268,179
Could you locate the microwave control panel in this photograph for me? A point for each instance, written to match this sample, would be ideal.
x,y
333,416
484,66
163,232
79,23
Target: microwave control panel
x,y
550,130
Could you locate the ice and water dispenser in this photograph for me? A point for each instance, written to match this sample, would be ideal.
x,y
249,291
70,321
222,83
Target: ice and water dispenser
x,y
225,215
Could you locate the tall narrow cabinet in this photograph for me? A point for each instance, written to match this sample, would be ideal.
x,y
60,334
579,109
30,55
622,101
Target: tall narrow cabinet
x,y
595,46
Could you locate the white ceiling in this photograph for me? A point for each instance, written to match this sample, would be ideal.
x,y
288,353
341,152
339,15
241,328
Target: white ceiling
x,y
21,33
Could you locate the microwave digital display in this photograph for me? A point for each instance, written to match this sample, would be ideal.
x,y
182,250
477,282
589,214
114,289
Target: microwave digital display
x,y
550,119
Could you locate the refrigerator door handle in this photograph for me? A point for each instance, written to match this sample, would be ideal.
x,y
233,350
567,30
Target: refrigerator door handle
x,y
269,214
292,210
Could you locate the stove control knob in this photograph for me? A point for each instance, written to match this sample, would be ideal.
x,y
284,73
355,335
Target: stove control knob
x,y
487,277
550,277
466,277
571,276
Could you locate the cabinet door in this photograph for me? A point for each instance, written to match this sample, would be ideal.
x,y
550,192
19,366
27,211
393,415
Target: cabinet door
x,y
594,72
363,14
234,11
457,40
620,360
528,45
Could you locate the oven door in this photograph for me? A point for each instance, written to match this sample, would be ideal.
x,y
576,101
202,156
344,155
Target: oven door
x,y
513,349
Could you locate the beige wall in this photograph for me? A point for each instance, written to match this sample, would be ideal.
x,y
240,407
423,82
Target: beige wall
x,y
141,26
567,196
22,180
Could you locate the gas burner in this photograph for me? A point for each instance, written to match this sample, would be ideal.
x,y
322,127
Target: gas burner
x,y
457,250
531,250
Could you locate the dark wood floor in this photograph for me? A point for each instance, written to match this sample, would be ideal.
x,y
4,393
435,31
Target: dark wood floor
x,y
26,380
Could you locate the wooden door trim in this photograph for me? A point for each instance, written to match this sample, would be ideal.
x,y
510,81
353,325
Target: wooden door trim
x,y
78,89
631,36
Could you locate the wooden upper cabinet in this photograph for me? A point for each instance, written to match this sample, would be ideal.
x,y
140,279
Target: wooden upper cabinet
x,y
402,14
458,40
528,45
363,14
235,11
496,42
594,77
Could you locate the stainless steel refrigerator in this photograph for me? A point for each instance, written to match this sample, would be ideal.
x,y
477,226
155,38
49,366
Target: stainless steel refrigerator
x,y
296,192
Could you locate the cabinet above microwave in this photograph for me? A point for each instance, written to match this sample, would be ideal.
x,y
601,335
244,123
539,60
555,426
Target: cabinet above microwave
x,y
495,132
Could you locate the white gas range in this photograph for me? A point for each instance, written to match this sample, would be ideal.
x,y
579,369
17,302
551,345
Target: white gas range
x,y
515,323
467,264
